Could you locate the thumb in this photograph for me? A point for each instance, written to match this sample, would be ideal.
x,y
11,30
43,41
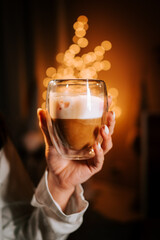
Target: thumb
x,y
42,117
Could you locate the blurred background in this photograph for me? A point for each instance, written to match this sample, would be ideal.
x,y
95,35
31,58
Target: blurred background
x,y
124,199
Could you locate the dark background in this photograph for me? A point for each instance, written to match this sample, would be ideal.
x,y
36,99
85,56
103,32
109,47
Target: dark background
x,y
32,33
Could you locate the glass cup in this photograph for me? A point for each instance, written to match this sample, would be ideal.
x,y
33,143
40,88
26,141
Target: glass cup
x,y
76,110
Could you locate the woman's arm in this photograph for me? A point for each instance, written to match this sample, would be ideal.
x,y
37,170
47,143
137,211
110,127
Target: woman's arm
x,y
58,204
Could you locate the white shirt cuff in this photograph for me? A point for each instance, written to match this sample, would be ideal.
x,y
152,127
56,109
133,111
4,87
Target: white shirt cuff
x,y
76,206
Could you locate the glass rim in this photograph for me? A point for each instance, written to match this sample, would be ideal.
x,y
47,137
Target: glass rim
x,y
76,79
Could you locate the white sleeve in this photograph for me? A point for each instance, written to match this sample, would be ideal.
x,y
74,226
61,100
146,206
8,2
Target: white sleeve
x,y
62,224
44,219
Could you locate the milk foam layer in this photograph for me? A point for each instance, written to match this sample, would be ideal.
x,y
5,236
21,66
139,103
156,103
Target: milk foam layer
x,y
75,107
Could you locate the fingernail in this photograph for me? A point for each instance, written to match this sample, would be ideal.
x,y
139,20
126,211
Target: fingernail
x,y
106,129
113,115
99,145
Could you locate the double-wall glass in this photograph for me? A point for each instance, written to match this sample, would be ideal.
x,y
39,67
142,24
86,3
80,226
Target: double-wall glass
x,y
76,110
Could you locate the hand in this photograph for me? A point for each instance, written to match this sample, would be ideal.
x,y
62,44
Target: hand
x,y
64,174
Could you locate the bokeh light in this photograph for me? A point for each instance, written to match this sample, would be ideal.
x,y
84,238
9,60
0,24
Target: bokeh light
x,y
75,39
60,57
117,110
44,94
106,65
82,42
99,50
82,18
106,45
78,25
113,92
50,72
86,26
46,81
80,33
72,64
74,49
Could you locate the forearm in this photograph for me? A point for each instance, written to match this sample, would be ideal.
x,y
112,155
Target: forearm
x,y
62,223
60,194
45,220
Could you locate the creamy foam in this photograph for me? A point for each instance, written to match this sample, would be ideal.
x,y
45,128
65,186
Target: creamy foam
x,y
75,107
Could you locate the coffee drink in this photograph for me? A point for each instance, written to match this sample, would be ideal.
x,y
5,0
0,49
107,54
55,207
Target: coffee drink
x,y
76,109
76,120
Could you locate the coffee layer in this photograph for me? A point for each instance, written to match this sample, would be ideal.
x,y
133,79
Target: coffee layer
x,y
77,133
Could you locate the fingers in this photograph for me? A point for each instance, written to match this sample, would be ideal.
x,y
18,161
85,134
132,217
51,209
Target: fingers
x,y
111,121
110,117
43,126
107,131
107,139
99,157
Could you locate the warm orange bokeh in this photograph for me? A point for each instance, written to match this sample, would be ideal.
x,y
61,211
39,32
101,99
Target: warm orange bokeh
x,y
87,65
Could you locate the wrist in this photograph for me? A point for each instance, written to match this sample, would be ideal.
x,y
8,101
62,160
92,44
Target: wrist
x,y
59,192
